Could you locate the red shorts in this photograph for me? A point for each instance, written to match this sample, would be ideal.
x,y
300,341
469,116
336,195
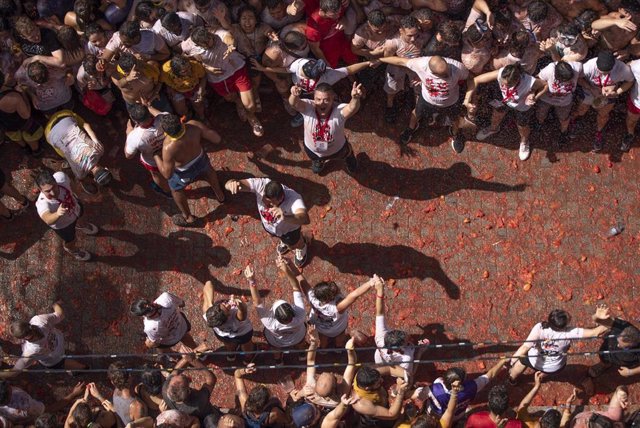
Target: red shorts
x,y
237,82
631,107
148,167
337,48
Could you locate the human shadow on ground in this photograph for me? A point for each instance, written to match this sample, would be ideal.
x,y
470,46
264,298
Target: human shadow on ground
x,y
425,184
184,251
395,261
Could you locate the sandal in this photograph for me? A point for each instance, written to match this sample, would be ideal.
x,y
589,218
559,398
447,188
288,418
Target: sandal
x,y
179,220
256,128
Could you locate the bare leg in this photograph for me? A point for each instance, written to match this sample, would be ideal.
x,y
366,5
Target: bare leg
x,y
250,106
212,178
631,122
341,340
516,370
160,181
524,132
180,198
603,117
496,119
74,365
188,341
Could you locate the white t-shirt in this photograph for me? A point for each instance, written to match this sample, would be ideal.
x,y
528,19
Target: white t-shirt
x,y
49,350
324,137
619,73
559,93
547,355
325,316
65,196
284,335
21,408
171,326
150,44
516,97
188,20
330,75
292,202
147,141
635,93
404,359
214,57
233,327
436,90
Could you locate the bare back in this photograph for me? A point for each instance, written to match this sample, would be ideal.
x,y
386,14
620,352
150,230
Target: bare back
x,y
186,148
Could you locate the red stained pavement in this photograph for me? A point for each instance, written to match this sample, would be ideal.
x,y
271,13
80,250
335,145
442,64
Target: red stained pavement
x,y
479,247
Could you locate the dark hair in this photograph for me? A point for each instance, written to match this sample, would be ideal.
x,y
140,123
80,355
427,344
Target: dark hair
x,y
423,14
426,421
294,40
144,10
5,25
2,78
139,113
93,28
43,177
22,23
326,291
395,338
212,420
325,88
272,4
68,38
171,20
631,334
557,320
89,64
550,419
518,43
472,34
451,33
7,8
409,21
129,31
82,415
537,11
630,6
512,73
498,400
258,399
47,420
273,190
376,18
5,392
152,380
126,62
249,8
216,316
563,71
202,3
569,29
85,11
367,377
118,376
284,313
141,307
171,124
606,61
38,72
503,18
200,36
330,5
178,63
454,374
585,19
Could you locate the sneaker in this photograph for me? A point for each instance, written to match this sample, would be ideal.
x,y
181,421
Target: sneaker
x,y
282,248
525,150
390,114
352,164
457,143
300,258
625,146
597,142
485,133
89,229
296,121
81,255
406,136
317,166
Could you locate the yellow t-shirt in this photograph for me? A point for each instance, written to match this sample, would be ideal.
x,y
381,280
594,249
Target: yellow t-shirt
x,y
182,84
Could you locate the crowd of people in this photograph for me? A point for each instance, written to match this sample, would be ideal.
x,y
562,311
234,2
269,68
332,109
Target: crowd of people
x,y
159,65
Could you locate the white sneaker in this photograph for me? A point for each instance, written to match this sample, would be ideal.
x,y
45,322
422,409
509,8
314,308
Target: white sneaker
x,y
485,133
525,151
88,229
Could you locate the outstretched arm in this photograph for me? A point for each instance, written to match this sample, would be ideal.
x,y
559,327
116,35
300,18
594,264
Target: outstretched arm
x,y
208,294
526,401
355,294
294,98
241,389
379,285
352,359
255,294
334,417
354,105
395,60
285,267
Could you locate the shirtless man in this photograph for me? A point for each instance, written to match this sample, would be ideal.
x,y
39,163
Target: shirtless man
x,y
139,81
618,28
184,161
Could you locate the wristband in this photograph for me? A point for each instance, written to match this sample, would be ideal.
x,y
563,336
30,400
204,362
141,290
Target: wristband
x,y
380,297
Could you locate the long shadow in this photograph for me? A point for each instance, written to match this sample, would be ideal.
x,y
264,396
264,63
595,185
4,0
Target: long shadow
x,y
395,261
20,235
425,184
184,251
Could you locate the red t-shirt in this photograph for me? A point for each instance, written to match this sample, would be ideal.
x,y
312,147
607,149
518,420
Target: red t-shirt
x,y
483,420
319,28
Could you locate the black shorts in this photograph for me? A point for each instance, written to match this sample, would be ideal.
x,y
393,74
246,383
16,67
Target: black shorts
x,y
523,118
343,153
68,234
238,340
423,108
527,363
58,366
188,330
289,238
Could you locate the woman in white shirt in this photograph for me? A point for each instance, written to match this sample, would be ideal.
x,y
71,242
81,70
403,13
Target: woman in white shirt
x,y
546,346
284,324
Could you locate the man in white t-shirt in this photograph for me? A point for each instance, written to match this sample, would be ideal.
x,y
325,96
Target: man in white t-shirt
x,y
324,120
164,323
59,208
440,93
282,212
42,343
17,406
143,44
175,27
604,79
146,138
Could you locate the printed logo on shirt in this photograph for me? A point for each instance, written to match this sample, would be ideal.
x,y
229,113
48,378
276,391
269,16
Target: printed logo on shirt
x,y
437,89
307,85
268,217
559,89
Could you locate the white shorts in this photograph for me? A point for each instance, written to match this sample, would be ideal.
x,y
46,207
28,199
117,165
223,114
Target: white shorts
x,y
396,77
